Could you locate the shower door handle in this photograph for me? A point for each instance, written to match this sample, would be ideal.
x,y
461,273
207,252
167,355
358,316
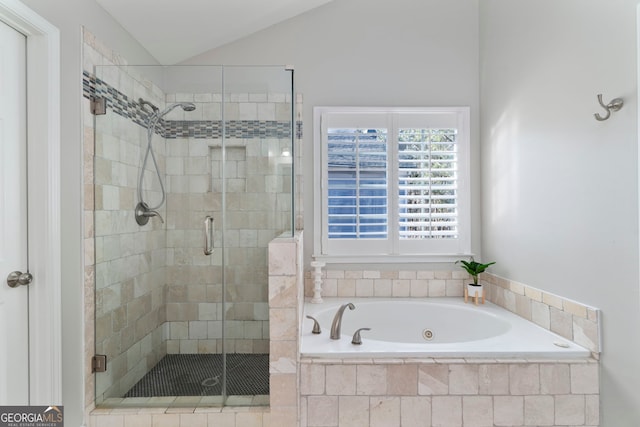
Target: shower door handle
x,y
208,235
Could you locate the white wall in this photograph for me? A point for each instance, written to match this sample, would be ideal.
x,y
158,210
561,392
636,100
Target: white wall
x,y
68,16
560,190
371,53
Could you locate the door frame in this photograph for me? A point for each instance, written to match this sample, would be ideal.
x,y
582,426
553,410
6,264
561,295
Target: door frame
x,y
43,177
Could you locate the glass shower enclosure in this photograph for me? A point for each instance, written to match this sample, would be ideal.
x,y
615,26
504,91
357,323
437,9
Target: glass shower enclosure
x,y
193,176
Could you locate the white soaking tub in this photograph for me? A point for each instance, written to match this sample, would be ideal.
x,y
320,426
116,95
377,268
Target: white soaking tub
x,y
430,328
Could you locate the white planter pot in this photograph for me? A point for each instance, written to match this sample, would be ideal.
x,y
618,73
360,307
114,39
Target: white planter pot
x,y
471,290
476,293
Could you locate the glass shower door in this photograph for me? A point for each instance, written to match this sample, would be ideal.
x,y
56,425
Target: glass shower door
x,y
159,298
256,169
194,294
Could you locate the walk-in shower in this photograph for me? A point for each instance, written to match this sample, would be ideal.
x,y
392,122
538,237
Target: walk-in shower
x,y
179,149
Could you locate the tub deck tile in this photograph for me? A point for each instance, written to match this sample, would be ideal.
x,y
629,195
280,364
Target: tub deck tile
x,y
357,361
450,361
424,361
512,361
390,361
479,361
323,361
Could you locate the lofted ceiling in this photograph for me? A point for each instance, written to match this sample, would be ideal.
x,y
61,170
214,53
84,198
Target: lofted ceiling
x,y
175,30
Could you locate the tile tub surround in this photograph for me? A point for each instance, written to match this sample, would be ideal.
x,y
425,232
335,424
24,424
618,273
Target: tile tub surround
x,y
458,330
577,322
448,392
454,392
574,321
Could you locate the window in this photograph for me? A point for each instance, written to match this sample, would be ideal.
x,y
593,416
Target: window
x,y
394,183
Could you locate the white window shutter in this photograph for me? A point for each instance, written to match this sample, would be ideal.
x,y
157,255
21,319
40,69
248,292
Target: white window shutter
x,y
395,181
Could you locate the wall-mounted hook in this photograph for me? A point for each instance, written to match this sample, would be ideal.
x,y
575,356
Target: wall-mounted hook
x,y
614,105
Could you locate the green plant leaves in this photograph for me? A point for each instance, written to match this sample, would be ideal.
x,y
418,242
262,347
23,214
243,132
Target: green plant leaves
x,y
474,268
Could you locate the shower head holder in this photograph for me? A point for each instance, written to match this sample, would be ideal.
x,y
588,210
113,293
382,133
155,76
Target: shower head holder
x,y
143,103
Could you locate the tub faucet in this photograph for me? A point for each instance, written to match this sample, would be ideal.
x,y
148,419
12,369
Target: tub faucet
x,y
337,321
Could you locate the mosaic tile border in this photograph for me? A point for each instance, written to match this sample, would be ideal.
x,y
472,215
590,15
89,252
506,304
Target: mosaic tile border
x,y
121,104
128,108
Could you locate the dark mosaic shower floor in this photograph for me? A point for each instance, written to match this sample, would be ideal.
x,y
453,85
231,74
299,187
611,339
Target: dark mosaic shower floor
x,y
201,375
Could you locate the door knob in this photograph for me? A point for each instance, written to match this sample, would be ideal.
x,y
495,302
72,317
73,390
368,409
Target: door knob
x,y
17,278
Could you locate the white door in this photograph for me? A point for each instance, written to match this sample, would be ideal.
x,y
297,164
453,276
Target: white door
x,y
14,310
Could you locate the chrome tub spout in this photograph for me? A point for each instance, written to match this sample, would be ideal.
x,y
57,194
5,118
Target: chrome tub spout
x,y
337,321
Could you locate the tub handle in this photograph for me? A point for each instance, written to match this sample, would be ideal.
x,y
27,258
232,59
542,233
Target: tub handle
x,y
316,326
356,336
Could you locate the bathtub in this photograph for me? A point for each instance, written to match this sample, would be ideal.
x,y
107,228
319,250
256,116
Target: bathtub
x,y
430,328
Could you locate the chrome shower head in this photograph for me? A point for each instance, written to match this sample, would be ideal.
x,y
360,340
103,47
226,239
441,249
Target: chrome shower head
x,y
186,106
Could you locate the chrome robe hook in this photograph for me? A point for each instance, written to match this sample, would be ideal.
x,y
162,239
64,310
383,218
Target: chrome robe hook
x,y
614,105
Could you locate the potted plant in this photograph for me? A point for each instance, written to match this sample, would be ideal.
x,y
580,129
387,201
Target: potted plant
x,y
474,269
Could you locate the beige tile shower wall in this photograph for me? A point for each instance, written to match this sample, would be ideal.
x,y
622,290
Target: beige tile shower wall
x,y
194,280
124,263
258,203
574,321
448,393
129,263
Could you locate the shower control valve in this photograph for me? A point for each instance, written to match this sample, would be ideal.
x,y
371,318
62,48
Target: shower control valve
x,y
143,213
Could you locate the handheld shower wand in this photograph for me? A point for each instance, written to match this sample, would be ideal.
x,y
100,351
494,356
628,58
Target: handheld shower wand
x,y
143,210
